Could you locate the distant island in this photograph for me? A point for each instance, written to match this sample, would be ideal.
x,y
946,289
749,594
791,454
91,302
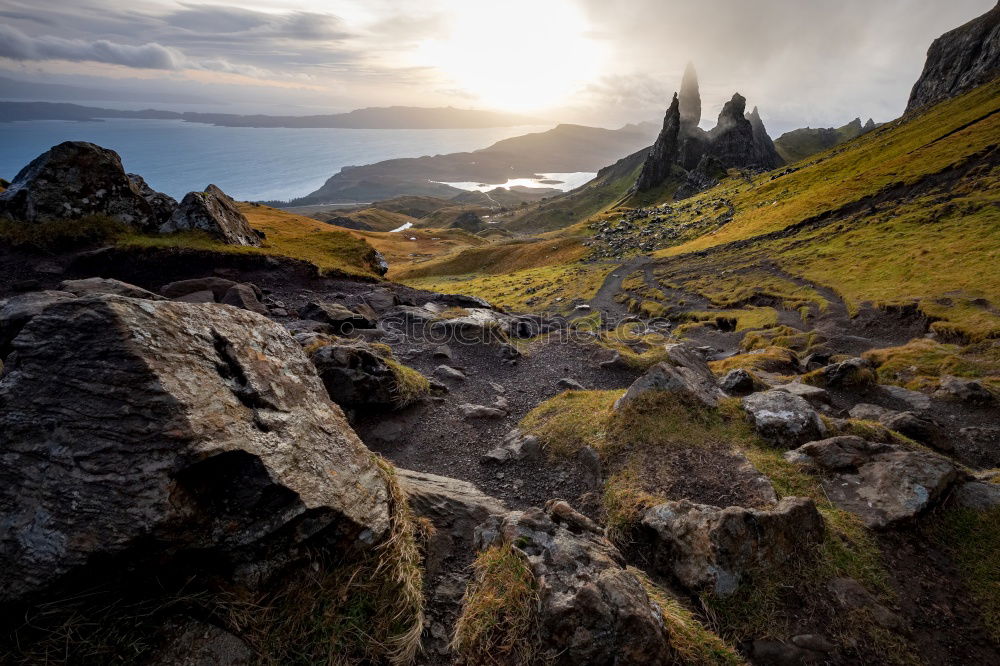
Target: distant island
x,y
390,117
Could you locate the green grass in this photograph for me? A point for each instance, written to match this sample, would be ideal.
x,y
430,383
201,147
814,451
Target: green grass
x,y
333,252
691,642
57,235
746,318
770,359
499,611
571,420
973,539
410,385
740,288
920,363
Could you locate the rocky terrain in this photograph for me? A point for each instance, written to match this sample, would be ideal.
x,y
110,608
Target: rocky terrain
x,y
740,413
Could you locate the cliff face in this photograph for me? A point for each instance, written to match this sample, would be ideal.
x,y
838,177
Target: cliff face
x,y
732,139
765,155
663,155
959,60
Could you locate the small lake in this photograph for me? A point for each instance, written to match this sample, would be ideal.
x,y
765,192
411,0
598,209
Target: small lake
x,y
563,182
248,163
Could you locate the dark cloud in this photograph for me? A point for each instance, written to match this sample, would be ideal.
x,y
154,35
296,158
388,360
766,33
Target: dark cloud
x,y
16,45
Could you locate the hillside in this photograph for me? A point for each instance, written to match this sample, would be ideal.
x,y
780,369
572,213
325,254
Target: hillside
x,y
563,149
801,143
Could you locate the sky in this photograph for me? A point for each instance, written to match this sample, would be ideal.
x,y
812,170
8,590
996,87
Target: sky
x,y
803,62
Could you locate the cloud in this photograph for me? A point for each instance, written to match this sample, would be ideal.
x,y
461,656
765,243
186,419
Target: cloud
x,y
216,20
16,45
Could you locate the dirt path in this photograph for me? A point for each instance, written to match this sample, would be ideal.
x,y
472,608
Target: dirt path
x,y
604,299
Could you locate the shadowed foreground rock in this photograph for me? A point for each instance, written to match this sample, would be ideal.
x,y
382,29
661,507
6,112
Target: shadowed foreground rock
x,y
591,609
138,430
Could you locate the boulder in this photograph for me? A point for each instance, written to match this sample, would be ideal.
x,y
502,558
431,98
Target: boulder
x,y
243,296
454,507
854,372
197,297
737,382
882,483
812,394
914,400
516,446
213,212
570,384
163,205
783,418
17,311
96,285
968,391
343,319
591,609
217,285
183,433
977,495
684,372
354,375
712,548
448,372
73,180
380,299
910,424
470,411
477,325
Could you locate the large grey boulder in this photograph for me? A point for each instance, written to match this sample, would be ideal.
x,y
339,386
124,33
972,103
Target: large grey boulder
x,y
73,180
17,311
783,418
138,430
213,212
959,60
712,548
591,609
683,372
882,483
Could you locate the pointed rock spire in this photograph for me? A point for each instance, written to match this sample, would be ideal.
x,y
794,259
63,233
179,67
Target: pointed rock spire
x,y
690,98
663,155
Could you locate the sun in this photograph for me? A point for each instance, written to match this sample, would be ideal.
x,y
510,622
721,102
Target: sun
x,y
519,55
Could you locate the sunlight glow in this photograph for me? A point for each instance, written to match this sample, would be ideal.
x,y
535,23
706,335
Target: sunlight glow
x,y
520,55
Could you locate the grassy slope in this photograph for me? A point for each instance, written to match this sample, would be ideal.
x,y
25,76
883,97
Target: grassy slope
x,y
928,246
334,251
521,275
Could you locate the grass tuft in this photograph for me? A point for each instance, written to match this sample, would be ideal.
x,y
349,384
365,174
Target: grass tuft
x,y
498,622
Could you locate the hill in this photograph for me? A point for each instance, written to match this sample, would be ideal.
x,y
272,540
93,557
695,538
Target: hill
x,y
563,149
393,117
801,143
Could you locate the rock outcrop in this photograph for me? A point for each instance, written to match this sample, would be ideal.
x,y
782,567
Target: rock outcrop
x,y
73,180
663,155
689,100
765,155
783,418
591,609
163,205
711,548
215,213
155,433
739,140
684,373
882,483
959,60
354,375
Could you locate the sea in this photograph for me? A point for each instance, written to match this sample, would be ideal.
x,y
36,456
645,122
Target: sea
x,y
248,163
